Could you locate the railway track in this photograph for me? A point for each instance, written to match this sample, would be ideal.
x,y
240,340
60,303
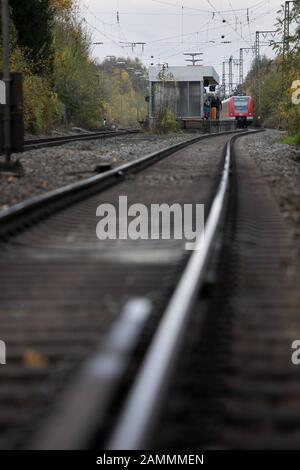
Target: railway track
x,y
33,144
236,386
79,373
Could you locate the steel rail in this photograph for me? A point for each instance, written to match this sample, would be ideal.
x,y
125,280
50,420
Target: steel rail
x,y
37,207
142,407
34,144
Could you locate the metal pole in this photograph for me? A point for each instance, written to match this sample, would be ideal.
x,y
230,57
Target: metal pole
x,y
224,80
241,62
241,78
258,65
230,75
286,44
257,58
6,79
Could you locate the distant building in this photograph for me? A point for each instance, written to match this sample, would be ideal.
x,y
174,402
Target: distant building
x,y
180,88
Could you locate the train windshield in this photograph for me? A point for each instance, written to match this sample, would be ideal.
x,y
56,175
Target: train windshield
x,y
241,104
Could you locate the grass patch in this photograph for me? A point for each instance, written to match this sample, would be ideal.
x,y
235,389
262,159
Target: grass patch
x,y
292,140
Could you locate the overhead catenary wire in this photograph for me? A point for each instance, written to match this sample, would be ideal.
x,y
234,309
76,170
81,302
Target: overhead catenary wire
x,y
236,20
240,11
227,22
195,32
163,2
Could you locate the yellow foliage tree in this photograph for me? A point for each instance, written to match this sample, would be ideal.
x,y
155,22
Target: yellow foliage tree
x,y
60,6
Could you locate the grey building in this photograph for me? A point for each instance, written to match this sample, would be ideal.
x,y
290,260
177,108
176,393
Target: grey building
x,y
180,88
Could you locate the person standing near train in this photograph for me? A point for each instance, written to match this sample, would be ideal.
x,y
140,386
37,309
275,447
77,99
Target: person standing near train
x,y
213,108
219,106
206,109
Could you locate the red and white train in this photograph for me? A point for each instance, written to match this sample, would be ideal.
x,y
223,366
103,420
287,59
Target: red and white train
x,y
239,108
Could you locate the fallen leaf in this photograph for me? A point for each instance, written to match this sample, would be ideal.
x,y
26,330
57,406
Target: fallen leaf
x,y
33,358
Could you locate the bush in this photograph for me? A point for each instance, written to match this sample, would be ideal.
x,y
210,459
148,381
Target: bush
x,y
74,75
292,140
42,108
272,121
277,109
166,122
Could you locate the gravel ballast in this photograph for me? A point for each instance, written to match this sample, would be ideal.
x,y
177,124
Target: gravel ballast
x,y
280,165
50,168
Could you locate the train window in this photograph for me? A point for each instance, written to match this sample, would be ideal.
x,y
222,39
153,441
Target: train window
x,y
241,104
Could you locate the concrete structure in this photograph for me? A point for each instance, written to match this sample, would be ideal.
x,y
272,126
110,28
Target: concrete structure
x,y
180,88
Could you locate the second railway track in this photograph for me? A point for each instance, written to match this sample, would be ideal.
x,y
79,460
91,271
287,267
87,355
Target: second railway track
x,y
34,144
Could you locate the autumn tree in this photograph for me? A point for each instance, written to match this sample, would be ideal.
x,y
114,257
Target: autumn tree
x,y
62,84
33,20
74,74
288,110
123,85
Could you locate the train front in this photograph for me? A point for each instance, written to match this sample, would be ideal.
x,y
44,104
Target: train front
x,y
243,110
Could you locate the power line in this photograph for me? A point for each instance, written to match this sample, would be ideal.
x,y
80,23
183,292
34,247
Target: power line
x,y
96,17
257,5
219,13
102,33
202,12
193,33
186,39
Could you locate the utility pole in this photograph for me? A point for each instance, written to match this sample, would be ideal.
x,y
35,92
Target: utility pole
x,y
193,58
286,43
6,80
230,75
257,60
224,80
257,81
241,69
232,62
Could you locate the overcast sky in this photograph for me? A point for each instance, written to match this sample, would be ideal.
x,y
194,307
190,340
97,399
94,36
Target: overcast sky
x,y
171,27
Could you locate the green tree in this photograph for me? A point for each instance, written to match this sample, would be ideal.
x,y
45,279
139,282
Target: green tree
x,y
33,20
51,46
123,86
289,111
